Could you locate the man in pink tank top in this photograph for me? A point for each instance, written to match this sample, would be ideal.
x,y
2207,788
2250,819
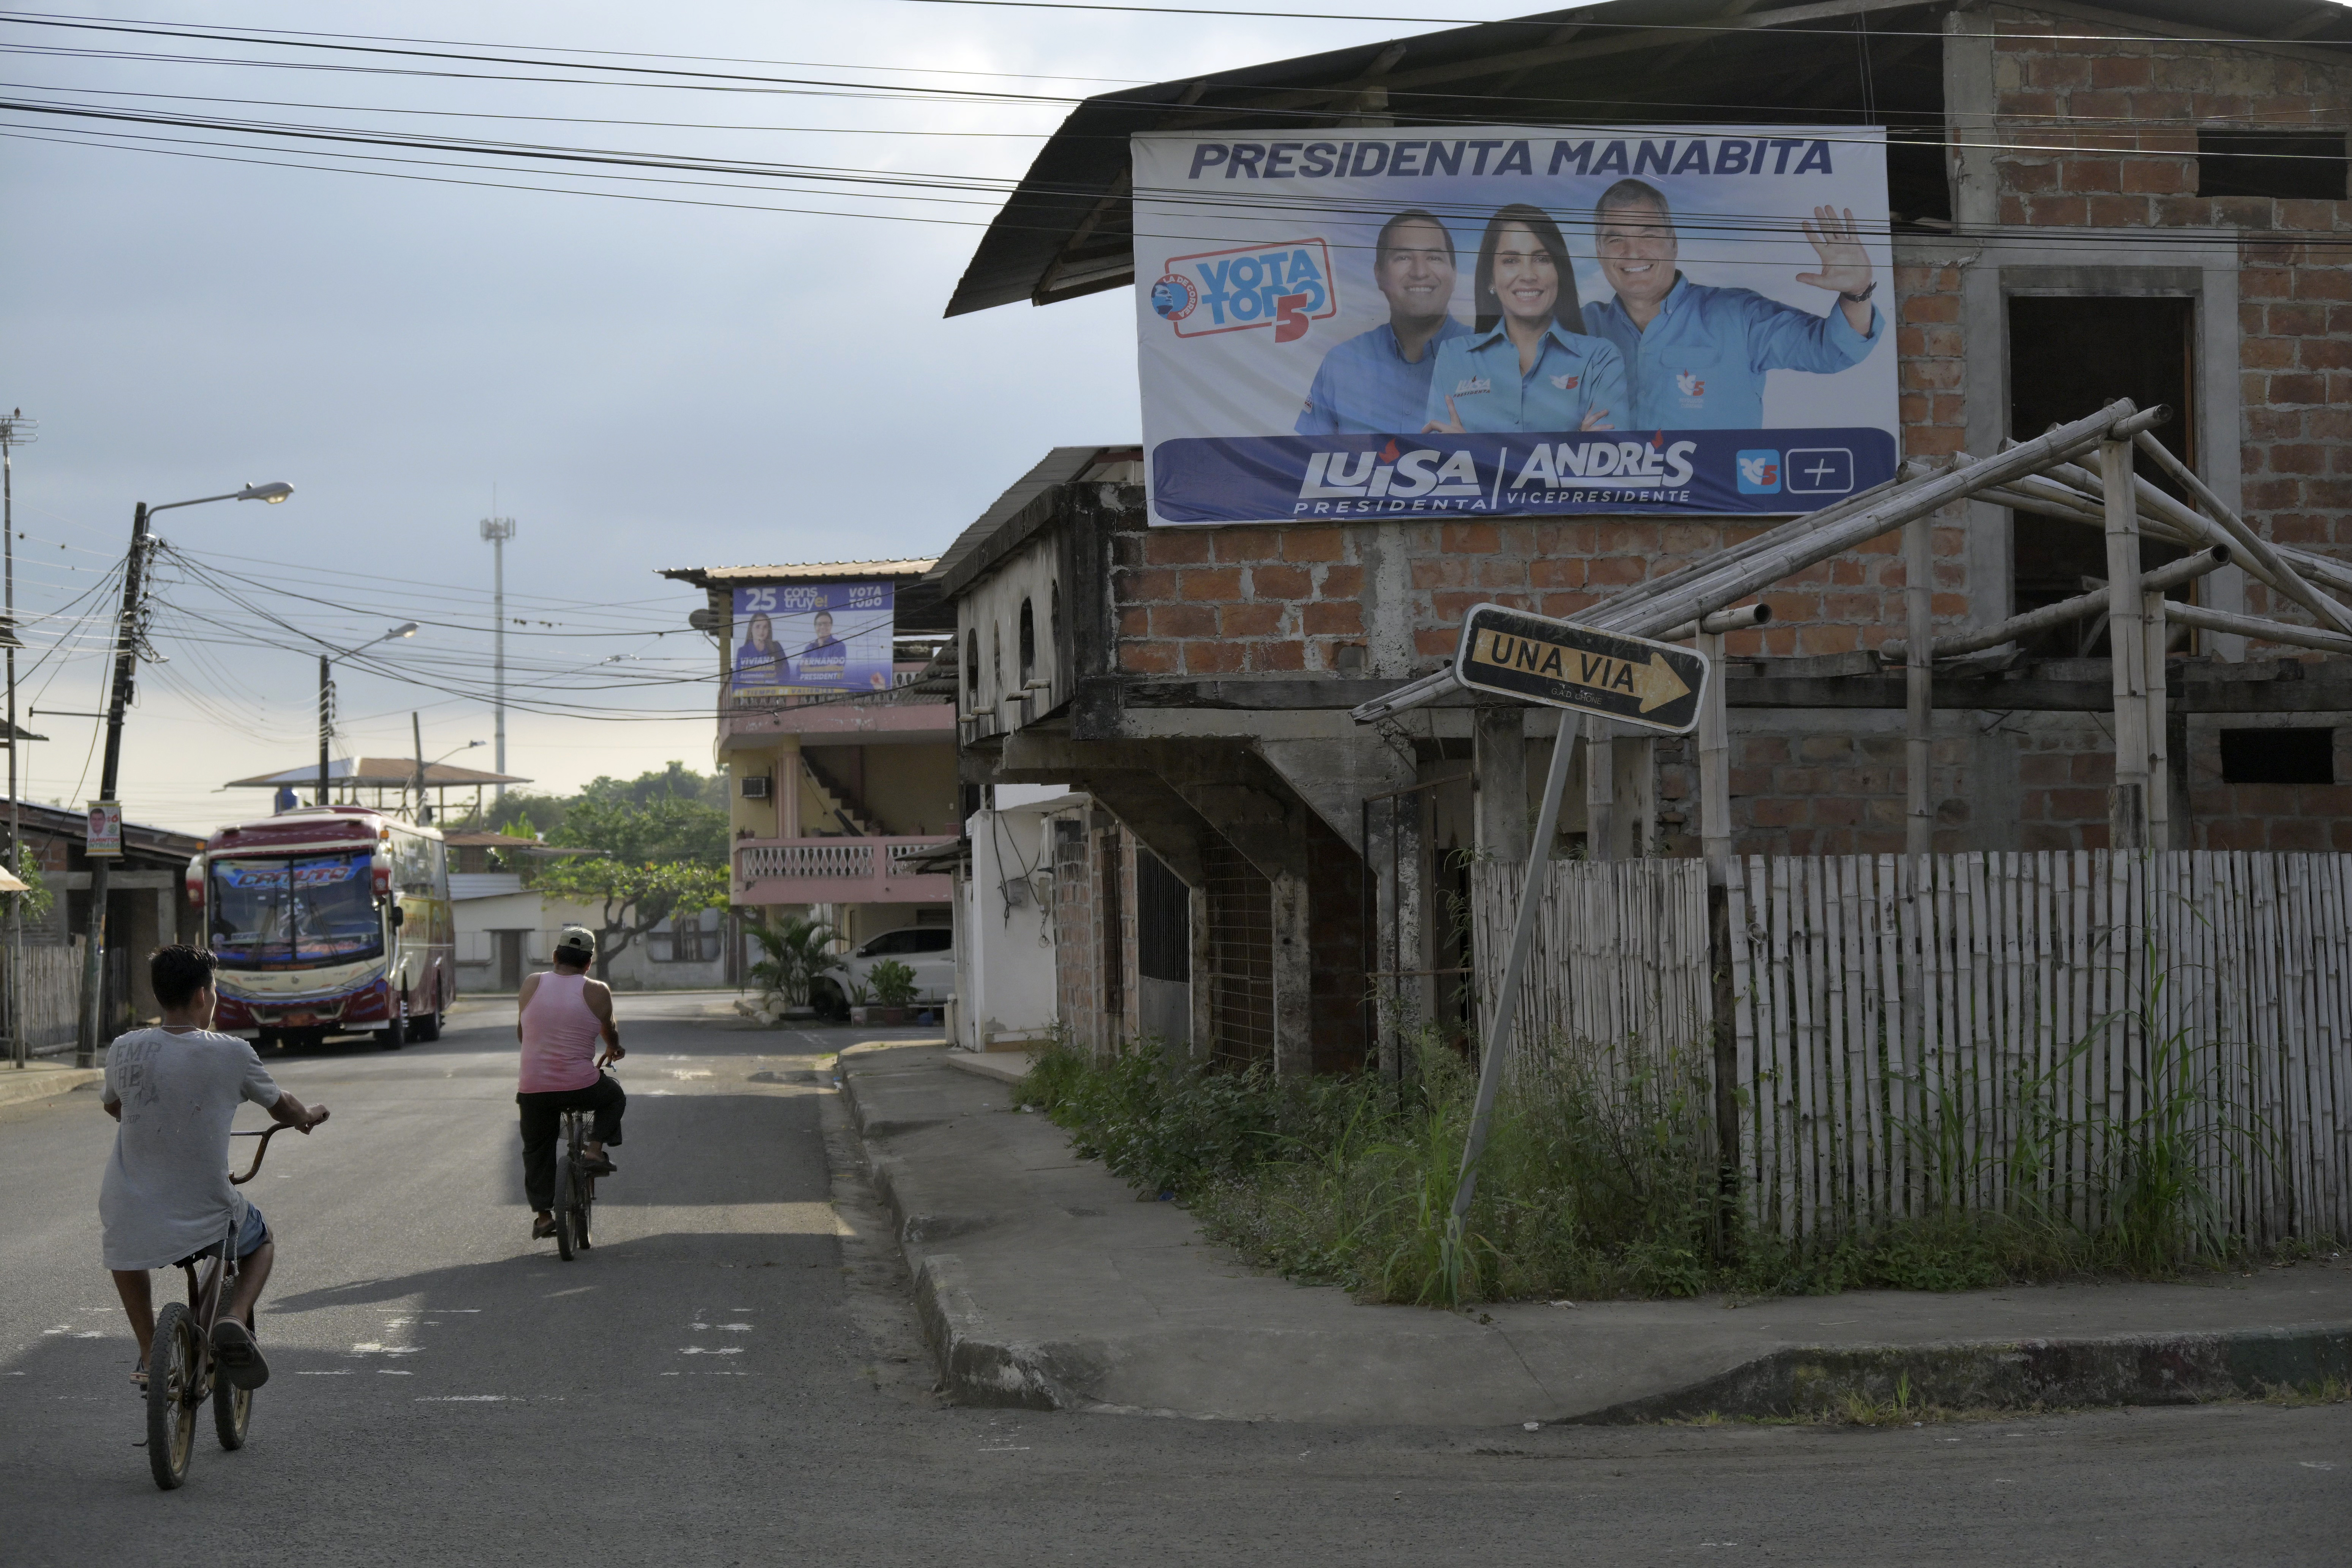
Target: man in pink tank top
x,y
561,1015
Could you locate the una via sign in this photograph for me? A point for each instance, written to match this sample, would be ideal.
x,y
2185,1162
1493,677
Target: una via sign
x,y
1536,659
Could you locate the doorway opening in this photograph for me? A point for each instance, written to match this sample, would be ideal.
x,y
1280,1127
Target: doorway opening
x,y
2067,356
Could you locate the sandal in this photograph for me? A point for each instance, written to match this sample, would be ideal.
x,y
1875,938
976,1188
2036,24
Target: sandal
x,y
139,1380
239,1358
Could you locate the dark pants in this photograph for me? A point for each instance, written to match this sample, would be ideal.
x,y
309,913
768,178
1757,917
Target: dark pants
x,y
542,1123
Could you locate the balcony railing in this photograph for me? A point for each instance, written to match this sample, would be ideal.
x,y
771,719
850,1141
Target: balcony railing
x,y
838,870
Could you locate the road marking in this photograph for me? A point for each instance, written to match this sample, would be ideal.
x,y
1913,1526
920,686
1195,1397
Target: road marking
x,y
371,1347
699,1350
471,1399
575,1290
339,1371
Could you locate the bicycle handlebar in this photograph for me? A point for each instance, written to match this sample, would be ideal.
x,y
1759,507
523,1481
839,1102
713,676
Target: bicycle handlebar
x,y
266,1134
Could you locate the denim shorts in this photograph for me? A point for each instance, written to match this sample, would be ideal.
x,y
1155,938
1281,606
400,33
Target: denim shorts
x,y
250,1235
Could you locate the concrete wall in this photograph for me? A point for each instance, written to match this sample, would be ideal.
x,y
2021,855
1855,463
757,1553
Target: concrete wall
x,y
1004,933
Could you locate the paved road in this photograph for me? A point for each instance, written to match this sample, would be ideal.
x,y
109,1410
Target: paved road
x,y
728,1379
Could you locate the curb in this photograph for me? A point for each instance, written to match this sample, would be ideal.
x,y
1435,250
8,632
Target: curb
x,y
975,1365
16,1088
2152,1369
979,1362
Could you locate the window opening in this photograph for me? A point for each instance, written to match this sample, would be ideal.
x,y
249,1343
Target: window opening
x,y
1028,639
2298,756
2282,164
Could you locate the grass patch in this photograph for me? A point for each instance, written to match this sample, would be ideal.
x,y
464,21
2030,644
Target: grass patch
x,y
1599,1182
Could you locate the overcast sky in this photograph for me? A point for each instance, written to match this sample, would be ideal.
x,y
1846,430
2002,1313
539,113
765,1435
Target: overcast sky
x,y
645,384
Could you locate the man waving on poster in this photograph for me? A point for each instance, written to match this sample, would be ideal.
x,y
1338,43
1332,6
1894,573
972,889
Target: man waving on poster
x,y
1695,356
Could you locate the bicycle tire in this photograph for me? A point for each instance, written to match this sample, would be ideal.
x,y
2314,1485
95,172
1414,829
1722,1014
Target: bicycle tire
x,y
563,1207
232,1411
582,1208
173,1358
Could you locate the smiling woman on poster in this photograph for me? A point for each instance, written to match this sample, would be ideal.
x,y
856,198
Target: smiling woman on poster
x,y
760,661
1528,365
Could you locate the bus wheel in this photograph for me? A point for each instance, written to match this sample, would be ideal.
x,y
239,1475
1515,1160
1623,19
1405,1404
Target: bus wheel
x,y
269,1040
396,1033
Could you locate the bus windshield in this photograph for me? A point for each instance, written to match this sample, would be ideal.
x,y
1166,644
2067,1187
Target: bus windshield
x,y
309,909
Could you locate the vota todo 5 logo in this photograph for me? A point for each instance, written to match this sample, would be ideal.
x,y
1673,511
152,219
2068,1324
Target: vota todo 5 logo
x,y
1402,475
1283,286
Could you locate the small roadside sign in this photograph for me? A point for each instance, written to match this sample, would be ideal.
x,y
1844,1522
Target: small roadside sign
x,y
105,835
1536,659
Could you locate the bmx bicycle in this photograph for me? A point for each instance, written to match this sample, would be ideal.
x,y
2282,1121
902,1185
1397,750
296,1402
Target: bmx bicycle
x,y
181,1370
576,1189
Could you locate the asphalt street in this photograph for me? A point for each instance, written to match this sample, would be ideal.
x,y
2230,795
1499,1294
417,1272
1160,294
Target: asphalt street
x,y
730,1376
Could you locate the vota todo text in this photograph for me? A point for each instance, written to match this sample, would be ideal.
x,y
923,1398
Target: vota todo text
x,y
1534,157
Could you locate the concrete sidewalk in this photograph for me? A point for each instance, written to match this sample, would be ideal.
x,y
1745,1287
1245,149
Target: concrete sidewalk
x,y
40,1079
1045,1283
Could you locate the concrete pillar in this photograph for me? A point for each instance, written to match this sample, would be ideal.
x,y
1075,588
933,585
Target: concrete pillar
x,y
1499,777
1634,760
1294,974
1196,910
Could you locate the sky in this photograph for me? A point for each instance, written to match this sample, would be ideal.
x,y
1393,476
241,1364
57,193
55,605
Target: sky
x,y
640,384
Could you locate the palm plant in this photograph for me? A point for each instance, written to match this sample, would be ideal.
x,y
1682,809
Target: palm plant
x,y
798,951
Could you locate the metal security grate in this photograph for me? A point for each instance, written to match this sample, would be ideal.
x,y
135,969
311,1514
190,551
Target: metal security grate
x,y
1241,958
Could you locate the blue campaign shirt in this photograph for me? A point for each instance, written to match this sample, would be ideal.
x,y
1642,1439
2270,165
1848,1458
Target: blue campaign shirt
x,y
1572,375
1700,365
1366,386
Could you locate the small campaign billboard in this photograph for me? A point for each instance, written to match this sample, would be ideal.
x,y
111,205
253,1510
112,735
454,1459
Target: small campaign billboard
x,y
104,833
1504,321
801,639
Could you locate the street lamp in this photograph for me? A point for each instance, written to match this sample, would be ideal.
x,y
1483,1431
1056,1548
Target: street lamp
x,y
327,693
417,737
126,659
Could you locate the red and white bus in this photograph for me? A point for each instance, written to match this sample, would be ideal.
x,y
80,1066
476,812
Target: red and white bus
x,y
333,919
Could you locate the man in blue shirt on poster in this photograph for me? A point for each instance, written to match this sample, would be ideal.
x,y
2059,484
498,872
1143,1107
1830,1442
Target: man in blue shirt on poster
x,y
1377,383
1695,355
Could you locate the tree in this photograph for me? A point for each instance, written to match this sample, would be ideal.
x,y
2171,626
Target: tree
x,y
664,829
798,951
634,897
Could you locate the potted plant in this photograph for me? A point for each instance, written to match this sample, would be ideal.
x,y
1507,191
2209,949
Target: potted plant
x,y
894,987
797,952
861,1001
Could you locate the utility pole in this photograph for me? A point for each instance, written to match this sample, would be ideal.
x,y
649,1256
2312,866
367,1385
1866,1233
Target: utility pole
x,y
326,723
16,430
126,654
126,657
497,531
417,739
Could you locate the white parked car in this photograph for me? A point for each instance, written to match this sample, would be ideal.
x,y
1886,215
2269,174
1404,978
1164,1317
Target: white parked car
x,y
928,950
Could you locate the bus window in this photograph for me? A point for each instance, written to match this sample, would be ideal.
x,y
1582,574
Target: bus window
x,y
307,908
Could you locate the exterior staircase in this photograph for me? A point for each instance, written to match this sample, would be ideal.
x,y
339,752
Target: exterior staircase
x,y
839,810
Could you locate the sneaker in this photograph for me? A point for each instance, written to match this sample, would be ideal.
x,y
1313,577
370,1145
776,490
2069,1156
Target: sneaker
x,y
239,1358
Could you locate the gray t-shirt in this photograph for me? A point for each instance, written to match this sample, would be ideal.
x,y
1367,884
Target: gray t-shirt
x,y
167,1193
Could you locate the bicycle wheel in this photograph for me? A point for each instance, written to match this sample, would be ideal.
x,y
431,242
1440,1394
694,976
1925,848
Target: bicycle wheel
x,y
232,1411
173,1359
585,1201
564,1204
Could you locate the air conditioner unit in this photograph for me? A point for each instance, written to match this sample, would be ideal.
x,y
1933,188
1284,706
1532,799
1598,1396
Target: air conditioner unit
x,y
756,787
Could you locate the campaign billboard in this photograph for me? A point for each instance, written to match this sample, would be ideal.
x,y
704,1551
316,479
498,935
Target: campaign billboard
x,y
1504,321
799,639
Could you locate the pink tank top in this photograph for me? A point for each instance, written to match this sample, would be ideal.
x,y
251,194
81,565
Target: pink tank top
x,y
559,1037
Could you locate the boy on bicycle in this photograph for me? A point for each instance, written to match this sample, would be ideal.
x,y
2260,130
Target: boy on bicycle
x,y
167,1199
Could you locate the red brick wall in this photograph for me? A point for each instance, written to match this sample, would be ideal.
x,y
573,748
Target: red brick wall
x,y
2111,133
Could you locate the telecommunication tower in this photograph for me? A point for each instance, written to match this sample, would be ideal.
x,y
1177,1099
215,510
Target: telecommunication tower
x,y
497,531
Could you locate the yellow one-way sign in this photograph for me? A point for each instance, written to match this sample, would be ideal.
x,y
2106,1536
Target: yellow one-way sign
x,y
1558,663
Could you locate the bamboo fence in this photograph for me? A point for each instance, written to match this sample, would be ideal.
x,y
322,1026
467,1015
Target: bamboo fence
x,y
1985,1031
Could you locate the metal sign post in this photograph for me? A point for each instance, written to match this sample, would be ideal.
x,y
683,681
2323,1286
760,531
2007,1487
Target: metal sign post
x,y
1577,669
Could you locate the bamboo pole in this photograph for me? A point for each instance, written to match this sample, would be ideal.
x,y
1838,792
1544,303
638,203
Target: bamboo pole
x,y
2257,548
2127,628
2154,631
1919,685
2171,575
1714,763
1720,583
2286,632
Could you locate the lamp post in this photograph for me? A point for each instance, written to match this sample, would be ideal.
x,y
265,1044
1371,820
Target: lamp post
x,y
417,739
327,693
126,658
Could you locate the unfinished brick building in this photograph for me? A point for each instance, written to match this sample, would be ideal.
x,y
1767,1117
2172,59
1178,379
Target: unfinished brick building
x,y
2146,201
